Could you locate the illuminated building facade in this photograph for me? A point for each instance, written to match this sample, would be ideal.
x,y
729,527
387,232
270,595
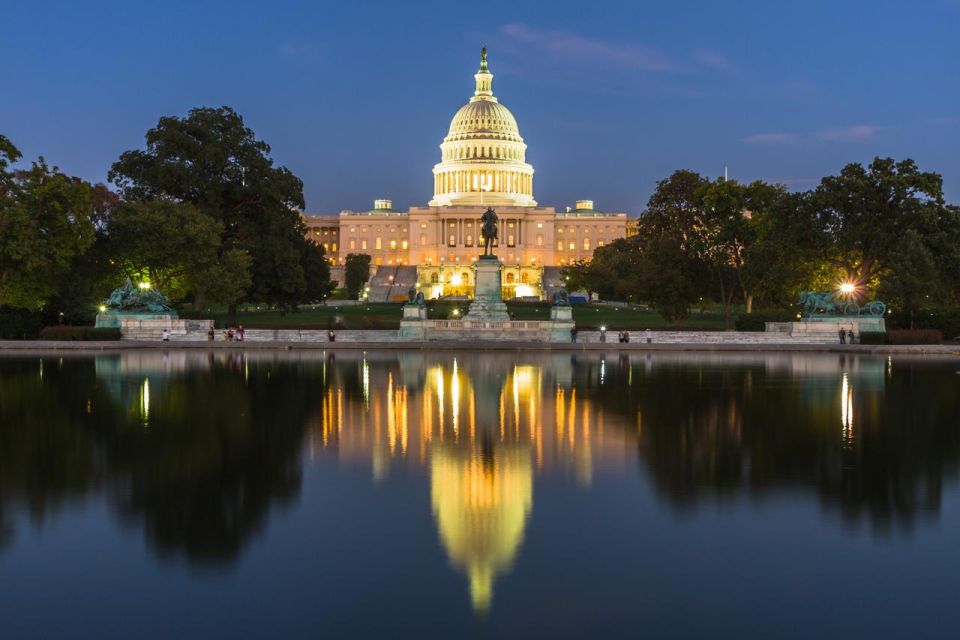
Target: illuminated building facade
x,y
482,164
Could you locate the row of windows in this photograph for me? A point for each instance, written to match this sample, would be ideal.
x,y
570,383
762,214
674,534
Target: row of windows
x,y
586,229
573,245
378,244
498,153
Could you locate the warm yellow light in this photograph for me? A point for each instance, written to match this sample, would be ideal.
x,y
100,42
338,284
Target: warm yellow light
x,y
102,308
456,313
144,285
455,280
848,287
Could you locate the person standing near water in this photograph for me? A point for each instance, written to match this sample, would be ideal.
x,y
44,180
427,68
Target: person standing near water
x,y
843,336
648,335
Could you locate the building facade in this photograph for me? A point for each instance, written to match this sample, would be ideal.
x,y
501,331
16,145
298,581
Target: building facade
x,y
482,164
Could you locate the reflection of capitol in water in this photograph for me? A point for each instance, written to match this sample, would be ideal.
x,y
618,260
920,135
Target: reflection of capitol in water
x,y
482,437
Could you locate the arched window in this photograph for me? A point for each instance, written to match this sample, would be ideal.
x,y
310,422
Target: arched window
x,y
510,278
524,277
434,278
465,278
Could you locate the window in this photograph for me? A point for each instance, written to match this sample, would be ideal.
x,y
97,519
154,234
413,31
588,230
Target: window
x,y
510,278
333,247
539,239
353,244
379,243
363,244
423,239
404,245
539,225
423,225
586,244
524,277
434,278
510,242
465,278
559,245
393,244
452,240
599,243
573,245
469,241
326,247
378,261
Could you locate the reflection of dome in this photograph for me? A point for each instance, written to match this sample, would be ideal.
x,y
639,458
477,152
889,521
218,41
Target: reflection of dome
x,y
483,157
481,505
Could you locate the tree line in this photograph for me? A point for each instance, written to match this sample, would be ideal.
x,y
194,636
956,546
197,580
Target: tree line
x,y
202,213
884,228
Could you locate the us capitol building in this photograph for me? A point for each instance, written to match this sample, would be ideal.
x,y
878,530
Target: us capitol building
x,y
482,164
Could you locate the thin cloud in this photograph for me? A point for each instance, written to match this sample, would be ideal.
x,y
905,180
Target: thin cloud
x,y
715,60
571,45
773,138
855,133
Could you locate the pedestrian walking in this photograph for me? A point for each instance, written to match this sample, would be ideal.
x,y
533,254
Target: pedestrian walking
x,y
240,333
331,335
165,335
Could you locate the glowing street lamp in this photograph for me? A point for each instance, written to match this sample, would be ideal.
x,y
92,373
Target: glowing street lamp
x,y
144,285
847,288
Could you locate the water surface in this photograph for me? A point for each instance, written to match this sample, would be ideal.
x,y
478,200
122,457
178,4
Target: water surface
x,y
186,494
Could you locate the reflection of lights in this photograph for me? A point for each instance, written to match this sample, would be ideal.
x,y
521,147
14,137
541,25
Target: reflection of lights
x,y
455,398
846,409
366,382
145,402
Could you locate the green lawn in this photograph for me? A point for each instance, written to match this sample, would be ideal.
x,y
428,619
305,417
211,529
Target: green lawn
x,y
387,316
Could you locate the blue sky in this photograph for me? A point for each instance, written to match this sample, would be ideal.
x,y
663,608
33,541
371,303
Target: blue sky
x,y
355,97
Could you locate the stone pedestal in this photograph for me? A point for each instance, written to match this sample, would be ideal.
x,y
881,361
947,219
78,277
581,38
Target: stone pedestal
x,y
412,322
487,302
562,319
829,328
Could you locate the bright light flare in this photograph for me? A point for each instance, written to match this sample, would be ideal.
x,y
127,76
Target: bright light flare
x,y
848,288
144,285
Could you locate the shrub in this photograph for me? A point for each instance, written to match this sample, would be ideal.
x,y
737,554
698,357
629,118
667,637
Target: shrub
x,y
873,337
915,336
19,324
946,319
757,321
69,332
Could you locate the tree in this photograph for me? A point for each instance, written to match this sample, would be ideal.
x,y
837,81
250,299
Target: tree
x,y
46,224
169,244
356,273
863,215
211,160
914,277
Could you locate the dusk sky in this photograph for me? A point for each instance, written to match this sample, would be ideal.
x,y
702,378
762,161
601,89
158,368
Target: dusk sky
x,y
355,97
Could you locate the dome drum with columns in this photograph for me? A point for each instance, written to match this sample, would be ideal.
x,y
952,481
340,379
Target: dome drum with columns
x,y
482,164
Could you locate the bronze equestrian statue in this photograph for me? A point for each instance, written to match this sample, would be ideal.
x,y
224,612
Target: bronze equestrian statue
x,y
489,231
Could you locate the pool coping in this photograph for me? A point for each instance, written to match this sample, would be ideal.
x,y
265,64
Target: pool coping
x,y
459,345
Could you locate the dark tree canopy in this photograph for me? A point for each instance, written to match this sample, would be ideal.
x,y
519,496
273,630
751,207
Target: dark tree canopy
x,y
356,273
213,161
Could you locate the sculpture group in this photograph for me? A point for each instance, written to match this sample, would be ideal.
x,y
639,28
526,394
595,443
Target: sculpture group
x,y
130,299
822,304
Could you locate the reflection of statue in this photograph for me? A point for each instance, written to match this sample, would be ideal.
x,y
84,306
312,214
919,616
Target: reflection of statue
x,y
130,299
561,298
488,230
415,296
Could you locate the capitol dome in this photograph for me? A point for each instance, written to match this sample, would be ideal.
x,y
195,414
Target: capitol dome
x,y
483,157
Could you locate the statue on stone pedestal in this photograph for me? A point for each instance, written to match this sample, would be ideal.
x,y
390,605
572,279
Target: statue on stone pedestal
x,y
488,231
415,297
561,298
130,299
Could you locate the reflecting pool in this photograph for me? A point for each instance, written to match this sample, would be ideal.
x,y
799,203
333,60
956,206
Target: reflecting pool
x,y
417,494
